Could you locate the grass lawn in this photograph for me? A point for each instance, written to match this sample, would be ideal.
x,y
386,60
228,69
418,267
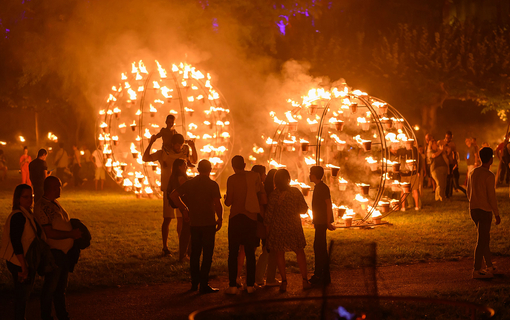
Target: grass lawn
x,y
126,244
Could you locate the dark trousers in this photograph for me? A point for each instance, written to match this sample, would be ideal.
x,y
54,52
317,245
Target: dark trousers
x,y
184,239
54,288
453,182
320,249
21,290
242,231
202,239
504,173
76,175
482,220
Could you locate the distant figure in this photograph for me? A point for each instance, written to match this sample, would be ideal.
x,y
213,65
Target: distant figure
x,y
453,162
3,166
178,178
86,162
20,230
266,263
245,195
167,132
76,165
430,180
38,172
166,158
481,193
61,161
322,210
60,236
439,168
471,156
24,161
99,172
284,229
203,202
503,154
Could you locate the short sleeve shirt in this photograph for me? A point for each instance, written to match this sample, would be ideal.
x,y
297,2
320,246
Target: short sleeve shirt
x,y
98,158
319,208
166,160
50,213
200,194
36,169
244,189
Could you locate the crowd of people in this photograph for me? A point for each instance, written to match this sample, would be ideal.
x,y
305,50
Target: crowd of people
x,y
265,211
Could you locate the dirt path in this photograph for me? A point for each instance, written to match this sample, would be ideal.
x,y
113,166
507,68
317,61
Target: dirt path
x,y
172,301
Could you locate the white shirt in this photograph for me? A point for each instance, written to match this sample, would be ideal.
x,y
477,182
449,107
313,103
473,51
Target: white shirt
x,y
481,190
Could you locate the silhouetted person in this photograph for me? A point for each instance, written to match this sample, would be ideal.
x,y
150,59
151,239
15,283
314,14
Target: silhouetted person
x,y
244,189
503,154
166,158
76,163
178,178
167,132
60,236
3,166
38,172
61,161
322,210
481,193
20,231
24,161
452,181
99,172
203,201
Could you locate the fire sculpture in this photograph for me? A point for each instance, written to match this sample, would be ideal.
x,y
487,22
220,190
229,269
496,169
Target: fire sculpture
x,y
137,108
360,140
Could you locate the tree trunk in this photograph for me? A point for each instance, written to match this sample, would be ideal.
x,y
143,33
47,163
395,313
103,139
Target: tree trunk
x,y
429,118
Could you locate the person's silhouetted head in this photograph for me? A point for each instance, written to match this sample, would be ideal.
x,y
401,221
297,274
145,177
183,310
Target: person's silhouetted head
x,y
317,171
42,153
170,120
282,179
52,188
17,200
261,170
177,142
238,163
486,155
204,167
269,181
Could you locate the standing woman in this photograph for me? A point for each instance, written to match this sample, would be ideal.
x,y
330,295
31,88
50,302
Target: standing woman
x,y
20,230
283,222
439,168
177,178
24,161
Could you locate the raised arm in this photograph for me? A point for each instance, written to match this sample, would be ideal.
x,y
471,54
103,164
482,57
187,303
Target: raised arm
x,y
147,155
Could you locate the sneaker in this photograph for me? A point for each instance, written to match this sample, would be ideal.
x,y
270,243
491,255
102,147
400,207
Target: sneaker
x,y
259,285
275,283
250,289
416,208
477,274
491,270
306,285
208,289
283,286
231,290
166,252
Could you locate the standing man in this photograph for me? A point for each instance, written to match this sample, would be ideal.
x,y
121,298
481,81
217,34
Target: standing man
x,y
60,237
244,189
76,166
481,193
61,162
471,156
453,162
166,158
99,173
322,210
38,170
202,202
24,161
503,155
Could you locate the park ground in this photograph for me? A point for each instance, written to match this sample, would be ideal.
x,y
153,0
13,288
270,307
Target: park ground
x,y
426,253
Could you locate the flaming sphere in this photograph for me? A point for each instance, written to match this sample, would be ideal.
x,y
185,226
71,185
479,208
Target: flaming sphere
x,y
367,148
137,108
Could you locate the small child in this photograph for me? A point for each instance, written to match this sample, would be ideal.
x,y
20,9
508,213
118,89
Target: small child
x,y
322,210
168,132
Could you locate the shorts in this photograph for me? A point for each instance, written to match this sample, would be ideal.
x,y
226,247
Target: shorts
x,y
413,180
100,174
168,211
